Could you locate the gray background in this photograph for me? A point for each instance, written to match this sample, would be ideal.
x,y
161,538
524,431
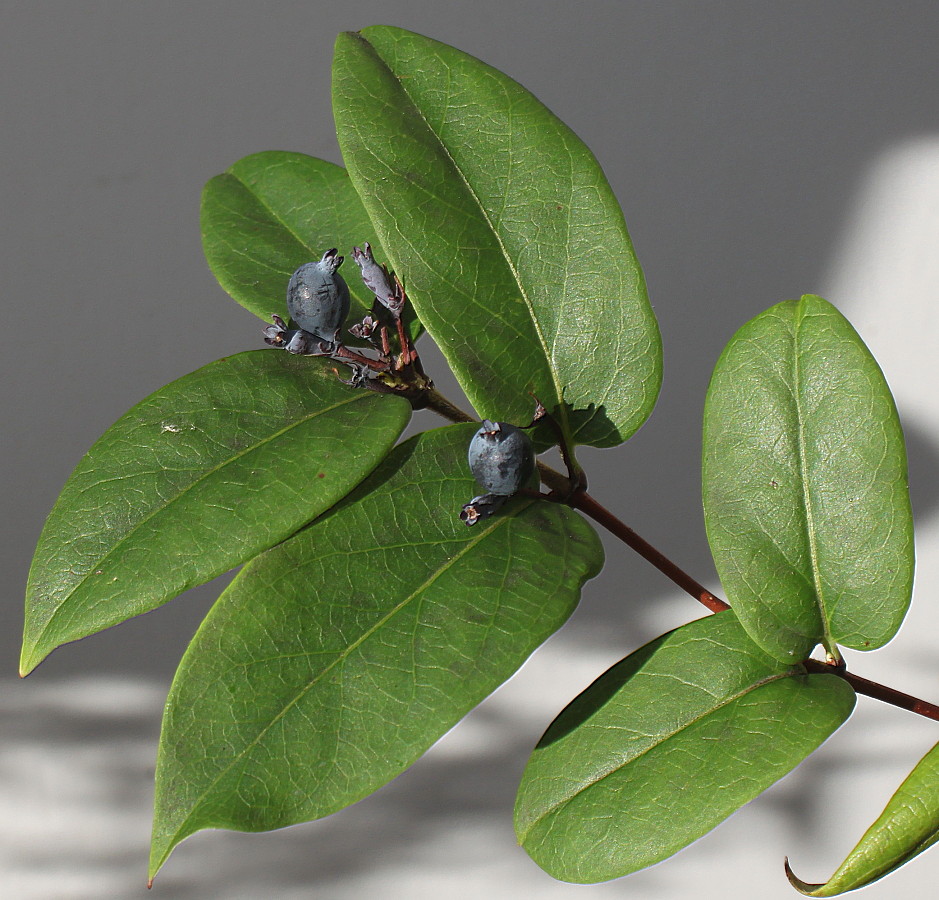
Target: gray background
x,y
760,150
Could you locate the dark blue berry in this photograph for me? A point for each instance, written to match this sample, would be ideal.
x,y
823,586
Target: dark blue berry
x,y
501,457
318,297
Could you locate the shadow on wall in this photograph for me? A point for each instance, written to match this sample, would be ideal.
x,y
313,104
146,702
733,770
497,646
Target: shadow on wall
x,y
77,758
884,276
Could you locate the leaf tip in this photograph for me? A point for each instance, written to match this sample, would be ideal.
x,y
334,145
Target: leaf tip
x,y
156,863
348,39
801,886
29,659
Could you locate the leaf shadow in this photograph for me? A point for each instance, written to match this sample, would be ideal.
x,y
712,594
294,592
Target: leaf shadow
x,y
590,417
922,452
598,694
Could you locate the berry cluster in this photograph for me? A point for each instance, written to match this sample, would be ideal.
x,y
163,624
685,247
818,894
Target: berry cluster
x,y
500,455
318,305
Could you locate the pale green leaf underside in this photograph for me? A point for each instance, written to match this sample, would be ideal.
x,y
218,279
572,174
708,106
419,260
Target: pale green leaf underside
x,y
508,237
334,660
273,211
664,746
805,484
908,825
199,477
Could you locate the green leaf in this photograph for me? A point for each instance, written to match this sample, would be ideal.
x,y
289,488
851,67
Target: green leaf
x,y
199,477
664,746
805,484
908,825
505,232
333,661
270,213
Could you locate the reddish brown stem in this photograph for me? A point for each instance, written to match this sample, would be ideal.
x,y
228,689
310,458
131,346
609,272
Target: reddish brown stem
x,y
342,352
407,351
878,691
600,514
586,504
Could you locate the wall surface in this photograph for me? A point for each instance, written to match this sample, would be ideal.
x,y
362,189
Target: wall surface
x,y
760,151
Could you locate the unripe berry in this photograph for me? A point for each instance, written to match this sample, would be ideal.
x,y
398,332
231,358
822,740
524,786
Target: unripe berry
x,y
375,277
318,297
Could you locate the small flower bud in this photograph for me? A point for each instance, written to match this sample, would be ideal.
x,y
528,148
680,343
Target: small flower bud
x,y
373,275
365,329
481,507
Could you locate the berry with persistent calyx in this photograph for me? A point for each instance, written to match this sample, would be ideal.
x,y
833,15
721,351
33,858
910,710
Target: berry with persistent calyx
x,y
500,457
501,460
318,297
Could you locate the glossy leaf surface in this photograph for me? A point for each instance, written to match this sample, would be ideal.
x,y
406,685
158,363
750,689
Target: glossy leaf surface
x,y
805,484
664,746
199,477
273,211
908,825
334,660
505,231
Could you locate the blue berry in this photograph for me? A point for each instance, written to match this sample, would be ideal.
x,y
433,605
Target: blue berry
x,y
501,457
318,297
501,460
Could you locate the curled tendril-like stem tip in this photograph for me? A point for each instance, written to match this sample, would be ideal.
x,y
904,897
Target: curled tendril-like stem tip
x,y
801,886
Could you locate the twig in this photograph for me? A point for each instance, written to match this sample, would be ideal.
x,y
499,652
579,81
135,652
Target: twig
x,y
600,514
443,407
589,506
586,504
878,691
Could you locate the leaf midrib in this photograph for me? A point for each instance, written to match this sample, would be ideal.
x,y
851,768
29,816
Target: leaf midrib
x,y
99,561
341,657
262,202
558,389
804,473
301,241
616,767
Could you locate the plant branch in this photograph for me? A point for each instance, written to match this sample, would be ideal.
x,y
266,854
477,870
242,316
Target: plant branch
x,y
586,504
436,401
343,353
877,691
580,499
